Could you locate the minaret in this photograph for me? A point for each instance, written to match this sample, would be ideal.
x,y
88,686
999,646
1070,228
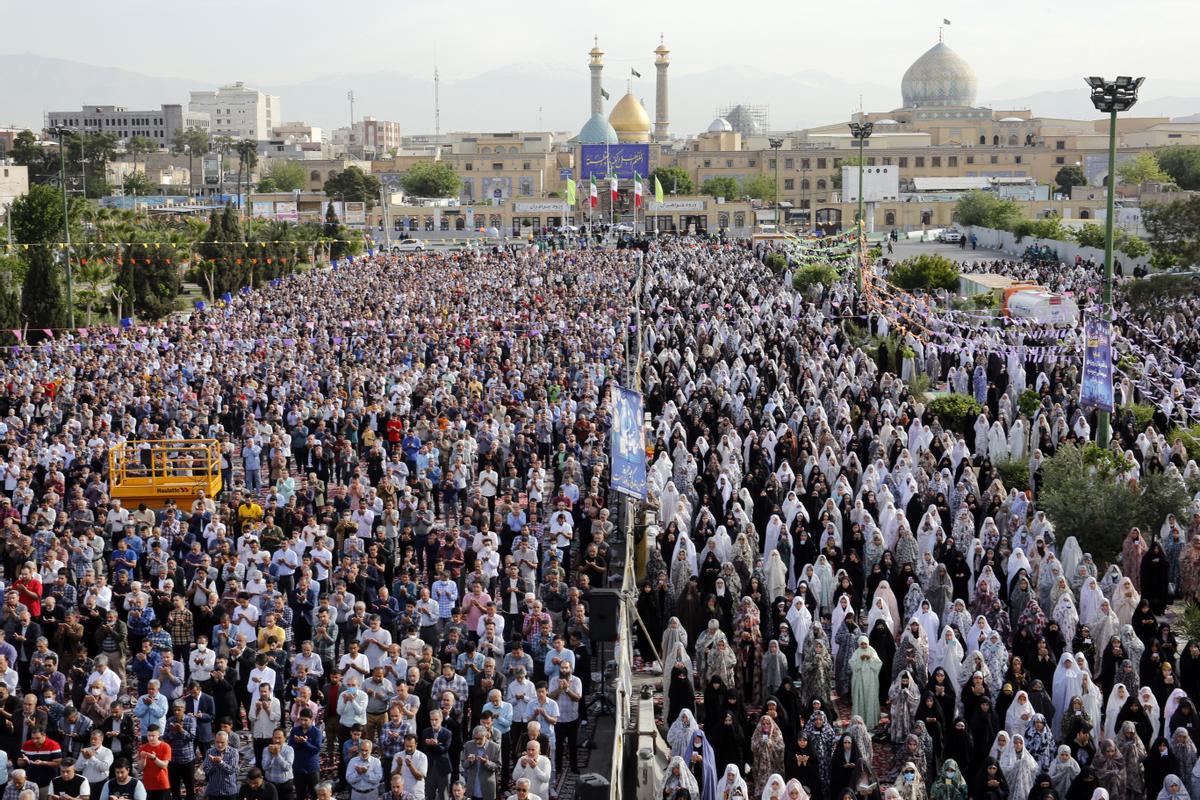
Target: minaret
x,y
596,65
661,110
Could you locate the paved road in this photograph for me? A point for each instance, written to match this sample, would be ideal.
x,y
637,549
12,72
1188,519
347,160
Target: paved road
x,y
905,249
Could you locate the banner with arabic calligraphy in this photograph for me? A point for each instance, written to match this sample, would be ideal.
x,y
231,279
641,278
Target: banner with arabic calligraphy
x,y
628,444
602,160
1097,389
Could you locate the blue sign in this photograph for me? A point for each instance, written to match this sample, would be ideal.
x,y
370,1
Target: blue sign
x,y
1097,389
601,160
628,444
566,174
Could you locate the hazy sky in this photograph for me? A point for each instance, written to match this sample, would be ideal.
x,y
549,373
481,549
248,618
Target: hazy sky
x,y
273,43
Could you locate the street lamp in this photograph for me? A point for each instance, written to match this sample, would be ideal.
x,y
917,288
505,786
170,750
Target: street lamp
x,y
1110,97
776,143
860,131
61,133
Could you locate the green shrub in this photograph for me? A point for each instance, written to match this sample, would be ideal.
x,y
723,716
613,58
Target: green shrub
x,y
1029,402
984,300
813,275
1143,414
776,262
1014,474
1159,290
1191,440
955,407
1090,235
1131,246
918,387
1083,498
926,272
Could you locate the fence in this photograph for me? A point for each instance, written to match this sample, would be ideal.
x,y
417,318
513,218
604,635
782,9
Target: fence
x,y
1067,250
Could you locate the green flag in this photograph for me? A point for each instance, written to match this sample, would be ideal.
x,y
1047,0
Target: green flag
x,y
570,192
658,190
604,94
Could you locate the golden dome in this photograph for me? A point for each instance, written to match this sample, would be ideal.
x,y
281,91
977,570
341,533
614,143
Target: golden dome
x,y
629,119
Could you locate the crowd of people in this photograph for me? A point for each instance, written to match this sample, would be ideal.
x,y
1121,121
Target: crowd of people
x,y
846,601
389,597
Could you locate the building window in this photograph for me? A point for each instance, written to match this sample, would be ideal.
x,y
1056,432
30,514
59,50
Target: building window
x,y
314,176
468,167
871,162
739,219
920,161
723,219
1059,144
789,184
937,161
970,159
821,185
754,162
820,163
1084,213
889,218
497,165
1016,159
926,217
982,139
903,162
525,165
805,185
771,163
1059,160
887,160
707,163
805,163
995,159
789,163
729,162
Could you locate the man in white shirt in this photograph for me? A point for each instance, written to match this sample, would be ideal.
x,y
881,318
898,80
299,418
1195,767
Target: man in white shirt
x,y
535,768
117,518
411,765
245,617
354,662
201,660
364,518
261,674
375,640
105,678
95,760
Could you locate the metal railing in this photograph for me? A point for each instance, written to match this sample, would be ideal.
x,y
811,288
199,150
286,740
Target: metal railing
x,y
142,462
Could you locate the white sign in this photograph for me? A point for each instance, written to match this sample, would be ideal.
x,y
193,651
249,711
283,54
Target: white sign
x,y
554,205
879,183
677,205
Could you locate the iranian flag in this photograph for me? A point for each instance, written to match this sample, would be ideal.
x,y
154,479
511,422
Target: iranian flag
x,y
612,186
637,190
593,193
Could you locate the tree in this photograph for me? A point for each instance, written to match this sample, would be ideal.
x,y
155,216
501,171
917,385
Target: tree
x,y
334,234
987,210
93,277
37,220
926,272
1068,177
760,187
136,183
1141,169
1182,164
1090,235
674,180
1084,497
1174,230
723,186
247,150
140,145
42,162
194,142
355,186
812,276
283,176
423,179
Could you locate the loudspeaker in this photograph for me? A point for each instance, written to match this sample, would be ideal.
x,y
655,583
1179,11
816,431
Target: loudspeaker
x,y
605,614
592,786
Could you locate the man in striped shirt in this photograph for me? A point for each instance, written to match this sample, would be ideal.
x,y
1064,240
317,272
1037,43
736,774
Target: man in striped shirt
x,y
41,757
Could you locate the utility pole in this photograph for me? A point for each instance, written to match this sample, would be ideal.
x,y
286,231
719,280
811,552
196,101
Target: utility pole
x,y
62,172
437,102
350,146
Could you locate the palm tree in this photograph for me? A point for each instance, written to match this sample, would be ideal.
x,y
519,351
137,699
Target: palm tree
x,y
95,274
247,150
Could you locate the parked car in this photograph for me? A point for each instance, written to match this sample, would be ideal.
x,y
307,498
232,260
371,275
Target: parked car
x,y
409,246
950,235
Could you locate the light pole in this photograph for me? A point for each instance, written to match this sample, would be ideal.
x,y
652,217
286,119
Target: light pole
x,y
61,133
1110,97
860,131
776,143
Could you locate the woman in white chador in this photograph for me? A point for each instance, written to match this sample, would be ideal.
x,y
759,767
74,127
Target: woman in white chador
x,y
840,612
948,654
997,441
1125,601
668,503
771,539
1117,699
879,610
776,576
1068,683
1089,602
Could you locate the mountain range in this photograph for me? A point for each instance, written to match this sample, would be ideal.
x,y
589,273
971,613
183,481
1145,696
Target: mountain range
x,y
541,96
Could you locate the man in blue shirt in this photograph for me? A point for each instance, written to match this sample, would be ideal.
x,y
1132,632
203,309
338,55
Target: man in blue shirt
x,y
306,742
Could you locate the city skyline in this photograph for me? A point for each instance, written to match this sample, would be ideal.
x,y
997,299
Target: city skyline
x,y
810,68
